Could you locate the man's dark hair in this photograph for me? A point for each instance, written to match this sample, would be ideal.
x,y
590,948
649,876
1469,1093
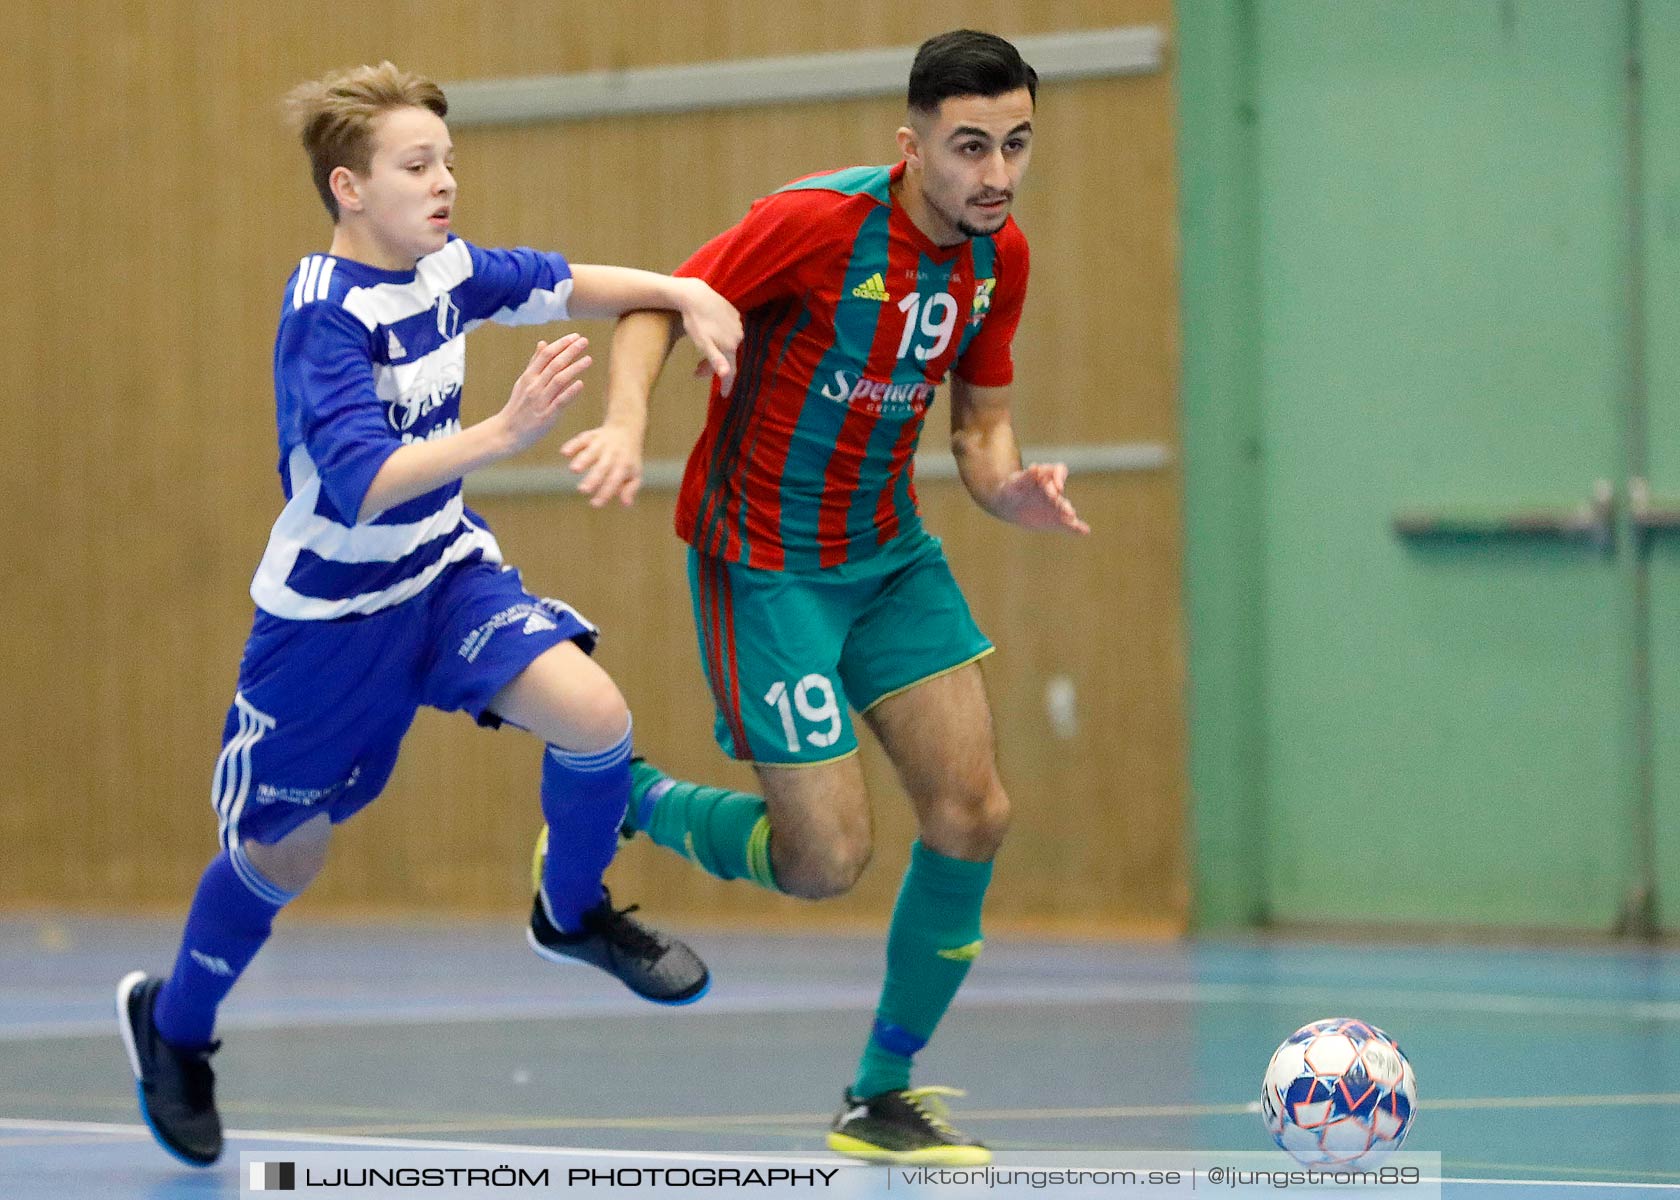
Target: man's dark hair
x,y
966,62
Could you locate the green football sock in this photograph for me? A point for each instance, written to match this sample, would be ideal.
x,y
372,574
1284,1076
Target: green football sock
x,y
934,937
727,833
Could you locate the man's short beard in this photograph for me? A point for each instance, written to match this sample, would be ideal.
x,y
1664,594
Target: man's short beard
x,y
962,226
972,231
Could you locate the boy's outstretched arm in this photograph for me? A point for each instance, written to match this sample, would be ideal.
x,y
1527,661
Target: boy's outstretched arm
x,y
710,321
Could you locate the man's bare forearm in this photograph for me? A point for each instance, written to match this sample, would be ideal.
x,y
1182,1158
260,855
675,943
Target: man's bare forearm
x,y
986,457
641,344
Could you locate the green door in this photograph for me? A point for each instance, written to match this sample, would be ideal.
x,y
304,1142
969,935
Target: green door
x,y
1658,287
1446,621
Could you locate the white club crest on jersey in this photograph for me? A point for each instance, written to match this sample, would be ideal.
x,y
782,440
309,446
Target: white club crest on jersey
x,y
448,317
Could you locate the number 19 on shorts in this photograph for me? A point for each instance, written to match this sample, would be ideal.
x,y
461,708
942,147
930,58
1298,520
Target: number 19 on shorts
x,y
813,698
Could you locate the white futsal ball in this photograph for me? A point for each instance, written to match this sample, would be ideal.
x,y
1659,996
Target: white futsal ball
x,y
1338,1093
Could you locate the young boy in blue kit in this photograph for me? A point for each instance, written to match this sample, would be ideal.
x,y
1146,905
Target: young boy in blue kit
x,y
380,591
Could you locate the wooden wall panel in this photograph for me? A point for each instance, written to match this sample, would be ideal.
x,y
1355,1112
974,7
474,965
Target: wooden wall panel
x,y
157,207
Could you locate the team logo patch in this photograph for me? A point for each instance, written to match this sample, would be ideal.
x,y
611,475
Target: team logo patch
x,y
448,318
982,300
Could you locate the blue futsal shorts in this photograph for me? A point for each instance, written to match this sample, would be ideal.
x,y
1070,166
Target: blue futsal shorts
x,y
322,706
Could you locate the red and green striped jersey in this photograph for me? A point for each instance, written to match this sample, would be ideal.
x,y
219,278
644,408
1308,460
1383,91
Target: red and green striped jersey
x,y
853,317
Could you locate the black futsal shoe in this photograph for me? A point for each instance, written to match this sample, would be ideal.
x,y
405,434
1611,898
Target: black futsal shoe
x,y
177,1088
905,1127
651,964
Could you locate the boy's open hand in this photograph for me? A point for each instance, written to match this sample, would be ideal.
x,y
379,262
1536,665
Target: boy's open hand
x,y
551,380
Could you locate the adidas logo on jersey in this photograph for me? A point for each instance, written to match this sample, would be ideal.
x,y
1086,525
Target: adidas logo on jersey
x,y
873,288
537,623
393,348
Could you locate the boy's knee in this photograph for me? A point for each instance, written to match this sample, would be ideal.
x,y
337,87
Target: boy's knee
x,y
599,717
292,863
585,716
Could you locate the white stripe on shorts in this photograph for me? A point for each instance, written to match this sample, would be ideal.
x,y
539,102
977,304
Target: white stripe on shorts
x,y
232,781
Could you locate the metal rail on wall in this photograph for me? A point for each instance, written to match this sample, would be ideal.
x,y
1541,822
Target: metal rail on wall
x,y
666,474
843,75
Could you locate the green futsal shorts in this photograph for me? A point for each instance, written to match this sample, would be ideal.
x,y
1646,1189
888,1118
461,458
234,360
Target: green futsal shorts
x,y
787,653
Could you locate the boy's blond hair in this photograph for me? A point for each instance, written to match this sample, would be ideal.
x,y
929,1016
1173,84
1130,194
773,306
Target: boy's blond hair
x,y
334,117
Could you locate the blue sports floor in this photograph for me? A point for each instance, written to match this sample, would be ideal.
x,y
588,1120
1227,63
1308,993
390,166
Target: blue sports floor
x,y
1549,1073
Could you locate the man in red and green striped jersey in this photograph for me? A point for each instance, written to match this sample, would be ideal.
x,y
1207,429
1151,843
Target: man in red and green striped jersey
x,y
816,588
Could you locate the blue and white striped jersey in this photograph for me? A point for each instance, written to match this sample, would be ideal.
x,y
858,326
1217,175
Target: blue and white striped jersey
x,y
365,361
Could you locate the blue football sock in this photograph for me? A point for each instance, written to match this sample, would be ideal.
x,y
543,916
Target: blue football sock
x,y
231,917
583,800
